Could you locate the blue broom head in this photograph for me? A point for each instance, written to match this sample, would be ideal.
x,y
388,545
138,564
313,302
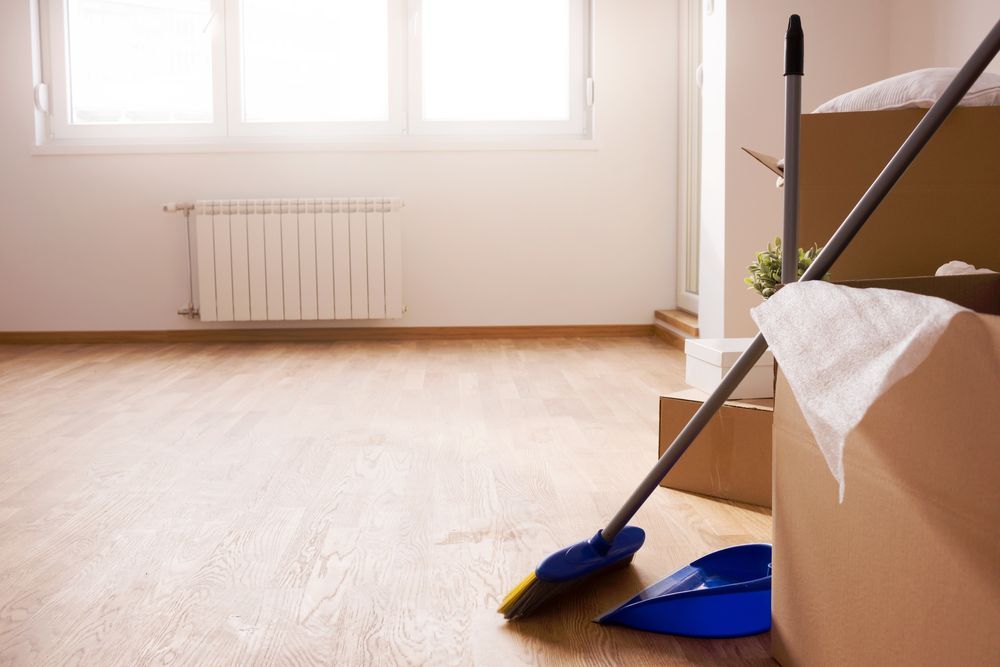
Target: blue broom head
x,y
569,567
590,555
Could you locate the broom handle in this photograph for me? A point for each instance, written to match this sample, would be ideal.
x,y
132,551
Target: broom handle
x,y
855,220
794,51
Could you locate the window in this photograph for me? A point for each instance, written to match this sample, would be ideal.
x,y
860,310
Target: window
x,y
314,61
505,63
230,70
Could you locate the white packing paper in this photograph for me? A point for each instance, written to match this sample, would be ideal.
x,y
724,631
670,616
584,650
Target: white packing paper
x,y
840,348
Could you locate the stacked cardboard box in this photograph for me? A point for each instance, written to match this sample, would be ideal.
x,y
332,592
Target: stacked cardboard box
x,y
946,206
907,570
731,458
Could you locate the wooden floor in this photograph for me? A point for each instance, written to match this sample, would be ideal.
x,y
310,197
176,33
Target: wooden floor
x,y
334,504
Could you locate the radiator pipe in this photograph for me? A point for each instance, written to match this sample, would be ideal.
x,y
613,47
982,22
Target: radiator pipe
x,y
190,312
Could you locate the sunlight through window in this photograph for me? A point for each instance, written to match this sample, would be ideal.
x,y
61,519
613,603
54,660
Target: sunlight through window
x,y
315,60
496,61
140,62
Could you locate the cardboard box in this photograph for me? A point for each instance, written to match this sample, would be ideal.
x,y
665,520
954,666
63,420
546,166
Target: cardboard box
x,y
907,570
709,359
944,207
731,458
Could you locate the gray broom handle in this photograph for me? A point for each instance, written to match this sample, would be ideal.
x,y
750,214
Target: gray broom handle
x,y
856,219
794,51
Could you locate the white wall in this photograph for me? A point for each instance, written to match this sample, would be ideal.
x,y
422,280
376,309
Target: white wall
x,y
743,102
938,33
502,237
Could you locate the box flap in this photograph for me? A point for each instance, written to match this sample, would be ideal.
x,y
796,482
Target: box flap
x,y
768,161
698,396
722,352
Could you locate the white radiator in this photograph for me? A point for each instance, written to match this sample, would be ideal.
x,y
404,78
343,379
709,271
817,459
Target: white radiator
x,y
299,259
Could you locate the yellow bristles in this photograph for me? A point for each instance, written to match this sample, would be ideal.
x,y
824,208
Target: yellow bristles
x,y
515,594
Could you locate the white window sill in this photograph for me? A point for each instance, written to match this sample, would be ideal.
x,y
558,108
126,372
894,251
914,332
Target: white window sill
x,y
251,145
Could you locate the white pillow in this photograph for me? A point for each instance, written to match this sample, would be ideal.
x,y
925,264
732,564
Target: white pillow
x,y
914,90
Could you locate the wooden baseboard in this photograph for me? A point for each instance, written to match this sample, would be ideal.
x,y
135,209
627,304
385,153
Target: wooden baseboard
x,y
326,334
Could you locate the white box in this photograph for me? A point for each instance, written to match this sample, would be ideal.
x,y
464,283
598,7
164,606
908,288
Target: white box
x,y
709,359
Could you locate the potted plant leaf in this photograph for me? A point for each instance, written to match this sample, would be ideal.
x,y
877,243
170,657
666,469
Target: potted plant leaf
x,y
765,272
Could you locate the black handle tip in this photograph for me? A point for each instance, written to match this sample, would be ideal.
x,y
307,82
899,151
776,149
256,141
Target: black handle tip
x,y
794,46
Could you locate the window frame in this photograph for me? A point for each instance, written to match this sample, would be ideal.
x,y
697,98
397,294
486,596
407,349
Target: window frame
x,y
689,155
403,128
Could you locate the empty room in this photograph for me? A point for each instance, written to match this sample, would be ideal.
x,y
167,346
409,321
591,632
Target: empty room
x,y
482,332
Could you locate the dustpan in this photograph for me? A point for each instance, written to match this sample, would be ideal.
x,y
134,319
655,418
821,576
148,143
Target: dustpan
x,y
724,594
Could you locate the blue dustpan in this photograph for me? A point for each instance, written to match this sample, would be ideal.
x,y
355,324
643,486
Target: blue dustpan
x,y
724,594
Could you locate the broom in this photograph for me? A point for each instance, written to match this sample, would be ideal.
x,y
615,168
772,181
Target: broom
x,y
615,545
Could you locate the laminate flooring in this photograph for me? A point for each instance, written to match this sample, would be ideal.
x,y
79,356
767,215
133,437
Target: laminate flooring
x,y
334,504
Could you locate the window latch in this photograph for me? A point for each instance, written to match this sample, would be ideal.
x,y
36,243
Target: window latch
x,y
42,97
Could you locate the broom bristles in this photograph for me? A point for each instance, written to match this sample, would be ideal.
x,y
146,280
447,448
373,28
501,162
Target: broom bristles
x,y
532,592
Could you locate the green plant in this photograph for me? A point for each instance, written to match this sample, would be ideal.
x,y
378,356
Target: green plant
x,y
765,272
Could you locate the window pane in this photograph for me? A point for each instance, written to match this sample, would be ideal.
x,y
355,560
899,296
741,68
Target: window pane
x,y
315,60
485,60
140,61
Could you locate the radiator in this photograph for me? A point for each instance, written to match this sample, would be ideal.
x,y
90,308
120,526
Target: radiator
x,y
299,259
